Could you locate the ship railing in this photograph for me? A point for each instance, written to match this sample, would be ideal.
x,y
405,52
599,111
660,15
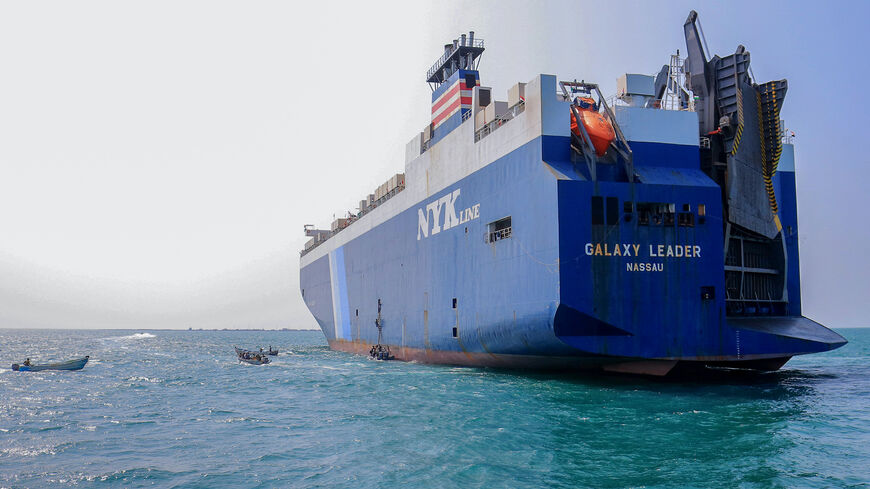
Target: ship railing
x,y
324,237
425,145
476,43
787,135
615,101
379,202
499,121
321,238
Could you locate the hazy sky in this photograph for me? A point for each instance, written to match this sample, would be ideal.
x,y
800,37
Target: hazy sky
x,y
158,159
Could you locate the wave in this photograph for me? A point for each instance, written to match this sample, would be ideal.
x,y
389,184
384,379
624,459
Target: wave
x,y
140,336
152,380
134,336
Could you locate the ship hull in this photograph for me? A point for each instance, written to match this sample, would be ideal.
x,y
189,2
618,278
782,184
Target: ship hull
x,y
541,298
520,259
640,366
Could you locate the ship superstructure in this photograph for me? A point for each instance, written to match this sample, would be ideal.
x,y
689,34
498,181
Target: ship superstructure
x,y
558,229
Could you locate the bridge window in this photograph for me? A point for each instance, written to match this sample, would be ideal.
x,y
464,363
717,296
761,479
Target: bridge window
x,y
655,213
498,230
597,210
470,81
686,219
612,211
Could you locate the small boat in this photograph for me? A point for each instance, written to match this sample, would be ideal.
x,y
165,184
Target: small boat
x,y
379,351
75,364
252,357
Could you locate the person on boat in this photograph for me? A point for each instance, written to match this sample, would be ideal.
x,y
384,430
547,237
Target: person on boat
x,y
27,362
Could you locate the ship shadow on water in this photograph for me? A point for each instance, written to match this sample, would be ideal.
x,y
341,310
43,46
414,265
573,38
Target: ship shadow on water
x,y
781,384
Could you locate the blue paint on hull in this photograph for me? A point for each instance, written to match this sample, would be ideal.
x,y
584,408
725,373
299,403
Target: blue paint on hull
x,y
540,293
338,281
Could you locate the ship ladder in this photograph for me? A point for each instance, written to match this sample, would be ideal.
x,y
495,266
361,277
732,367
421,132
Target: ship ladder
x,y
379,351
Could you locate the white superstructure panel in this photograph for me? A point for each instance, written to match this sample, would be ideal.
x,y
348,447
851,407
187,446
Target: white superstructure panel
x,y
658,125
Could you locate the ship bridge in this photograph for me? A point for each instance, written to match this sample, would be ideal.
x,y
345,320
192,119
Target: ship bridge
x,y
462,54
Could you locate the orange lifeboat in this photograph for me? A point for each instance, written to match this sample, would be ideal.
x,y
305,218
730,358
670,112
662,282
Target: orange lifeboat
x,y
600,131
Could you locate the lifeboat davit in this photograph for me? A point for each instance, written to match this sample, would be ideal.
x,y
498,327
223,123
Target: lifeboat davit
x,y
600,131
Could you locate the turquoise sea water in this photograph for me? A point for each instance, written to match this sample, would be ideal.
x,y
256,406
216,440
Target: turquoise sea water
x,y
175,409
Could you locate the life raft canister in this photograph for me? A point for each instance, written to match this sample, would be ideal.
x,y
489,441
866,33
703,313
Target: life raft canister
x,y
600,131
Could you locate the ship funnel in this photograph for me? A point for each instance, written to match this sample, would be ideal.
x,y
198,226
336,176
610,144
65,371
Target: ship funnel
x,y
471,38
462,40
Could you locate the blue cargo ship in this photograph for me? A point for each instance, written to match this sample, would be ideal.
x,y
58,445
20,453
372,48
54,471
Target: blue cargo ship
x,y
649,233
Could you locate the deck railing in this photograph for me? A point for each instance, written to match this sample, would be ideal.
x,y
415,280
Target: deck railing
x,y
499,121
476,43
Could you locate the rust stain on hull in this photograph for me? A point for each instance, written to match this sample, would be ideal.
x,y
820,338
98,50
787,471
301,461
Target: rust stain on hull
x,y
476,359
656,367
